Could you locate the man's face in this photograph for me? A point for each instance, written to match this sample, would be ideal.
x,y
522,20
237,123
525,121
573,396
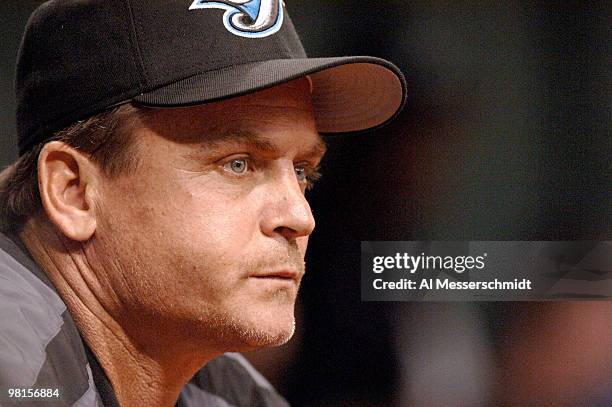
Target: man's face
x,y
207,238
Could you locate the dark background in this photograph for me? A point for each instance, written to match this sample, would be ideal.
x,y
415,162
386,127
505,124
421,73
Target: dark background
x,y
506,136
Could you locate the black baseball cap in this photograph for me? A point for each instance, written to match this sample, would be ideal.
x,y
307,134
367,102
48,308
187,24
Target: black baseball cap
x,y
80,57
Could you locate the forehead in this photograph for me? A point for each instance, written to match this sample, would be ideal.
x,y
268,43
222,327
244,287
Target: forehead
x,y
286,107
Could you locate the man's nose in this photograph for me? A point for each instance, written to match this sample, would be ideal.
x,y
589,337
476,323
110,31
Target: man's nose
x,y
287,212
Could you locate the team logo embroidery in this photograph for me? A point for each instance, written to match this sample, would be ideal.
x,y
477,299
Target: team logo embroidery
x,y
247,18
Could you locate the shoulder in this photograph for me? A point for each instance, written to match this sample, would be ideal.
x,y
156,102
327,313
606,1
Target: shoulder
x,y
31,314
40,346
230,380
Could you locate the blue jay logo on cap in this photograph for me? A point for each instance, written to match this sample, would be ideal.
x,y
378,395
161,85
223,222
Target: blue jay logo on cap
x,y
247,18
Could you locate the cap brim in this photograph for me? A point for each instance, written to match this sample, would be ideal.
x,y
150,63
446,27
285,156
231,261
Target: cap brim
x,y
349,94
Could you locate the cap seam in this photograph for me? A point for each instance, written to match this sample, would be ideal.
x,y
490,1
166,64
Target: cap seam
x,y
216,69
356,59
138,48
188,75
329,64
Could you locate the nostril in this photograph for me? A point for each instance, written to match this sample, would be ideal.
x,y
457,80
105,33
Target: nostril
x,y
286,232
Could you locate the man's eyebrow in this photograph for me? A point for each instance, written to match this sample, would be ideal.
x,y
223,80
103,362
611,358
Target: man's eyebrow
x,y
215,141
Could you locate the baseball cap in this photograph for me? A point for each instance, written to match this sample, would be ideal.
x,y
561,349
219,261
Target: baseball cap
x,y
79,57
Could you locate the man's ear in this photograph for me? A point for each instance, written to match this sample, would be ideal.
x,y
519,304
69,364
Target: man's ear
x,y
66,181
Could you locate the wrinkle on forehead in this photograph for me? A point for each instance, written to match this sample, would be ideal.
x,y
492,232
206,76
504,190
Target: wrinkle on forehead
x,y
215,141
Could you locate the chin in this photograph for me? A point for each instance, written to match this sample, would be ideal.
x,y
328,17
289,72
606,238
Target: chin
x,y
247,331
271,322
273,332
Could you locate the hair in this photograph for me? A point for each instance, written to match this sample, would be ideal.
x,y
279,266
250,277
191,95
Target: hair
x,y
107,138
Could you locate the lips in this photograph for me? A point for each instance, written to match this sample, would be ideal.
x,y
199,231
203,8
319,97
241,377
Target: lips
x,y
279,275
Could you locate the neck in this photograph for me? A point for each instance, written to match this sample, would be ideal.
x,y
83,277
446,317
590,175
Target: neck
x,y
145,365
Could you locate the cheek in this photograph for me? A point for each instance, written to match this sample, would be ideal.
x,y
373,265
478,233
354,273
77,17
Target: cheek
x,y
224,223
178,242
188,219
191,221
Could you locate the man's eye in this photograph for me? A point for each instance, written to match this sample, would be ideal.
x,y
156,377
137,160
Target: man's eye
x,y
307,175
300,173
237,166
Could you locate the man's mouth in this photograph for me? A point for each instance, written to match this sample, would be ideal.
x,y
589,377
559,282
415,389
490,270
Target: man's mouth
x,y
280,275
